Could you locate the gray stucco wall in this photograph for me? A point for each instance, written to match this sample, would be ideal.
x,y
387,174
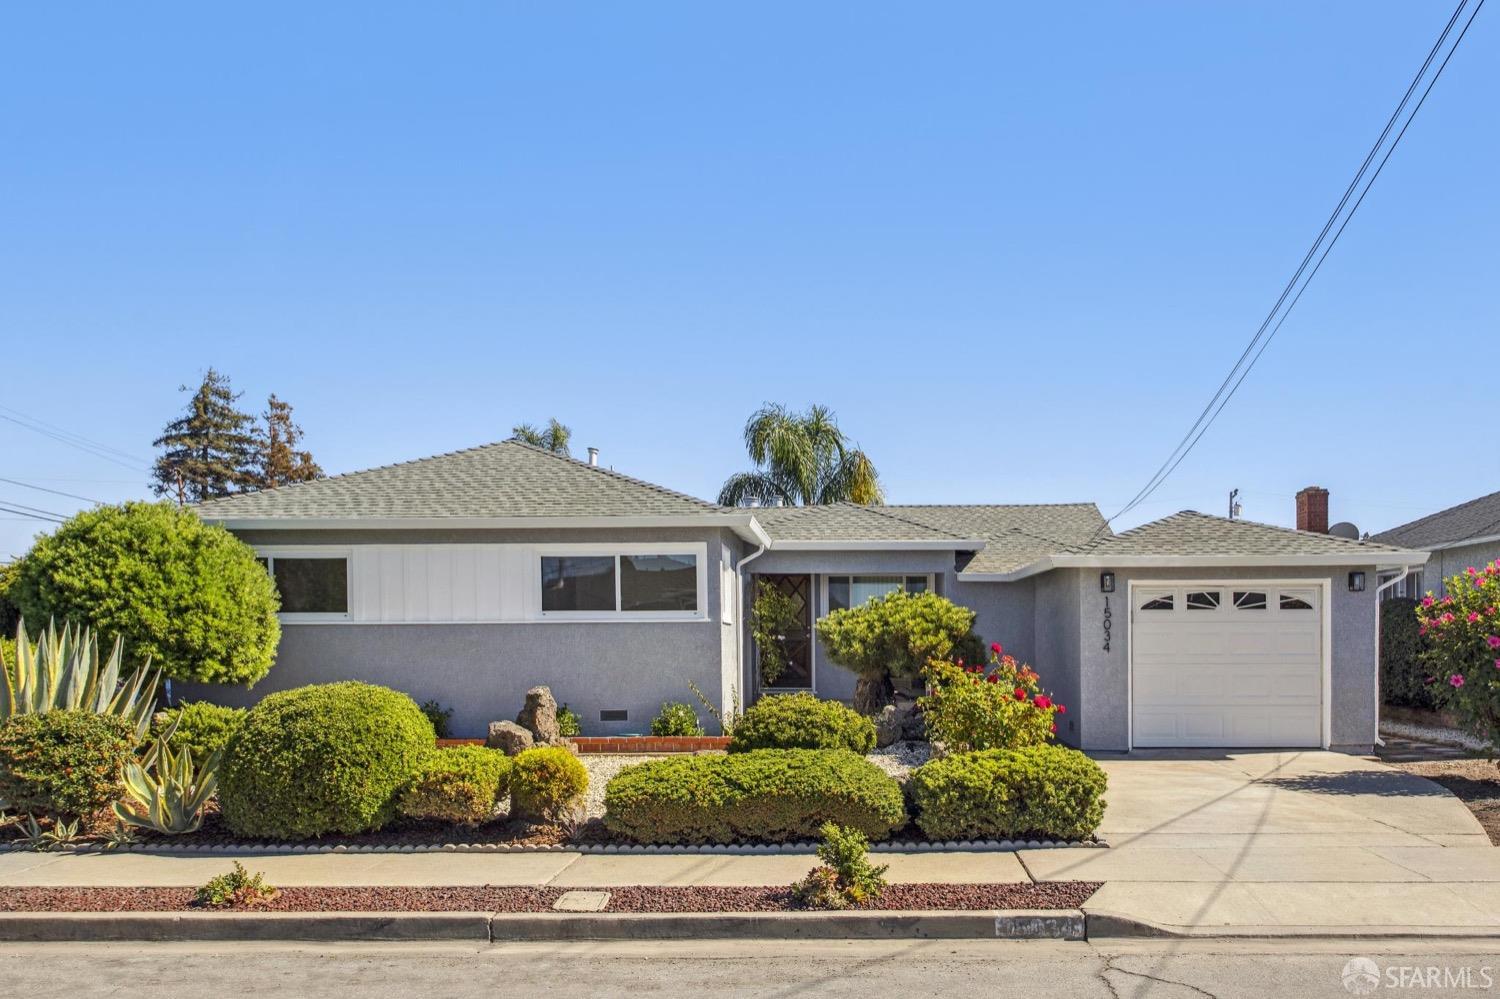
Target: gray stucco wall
x,y
1105,702
1057,654
482,671
1446,562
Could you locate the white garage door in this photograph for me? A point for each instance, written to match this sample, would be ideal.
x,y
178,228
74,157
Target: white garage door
x,y
1227,665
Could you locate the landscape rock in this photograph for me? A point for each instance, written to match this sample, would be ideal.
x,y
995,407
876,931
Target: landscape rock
x,y
539,717
899,722
508,737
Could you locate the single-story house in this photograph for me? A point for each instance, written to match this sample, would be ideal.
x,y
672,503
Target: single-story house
x,y
1458,537
468,577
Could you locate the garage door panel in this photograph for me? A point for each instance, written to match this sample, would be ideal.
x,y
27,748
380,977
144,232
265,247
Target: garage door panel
x,y
1227,676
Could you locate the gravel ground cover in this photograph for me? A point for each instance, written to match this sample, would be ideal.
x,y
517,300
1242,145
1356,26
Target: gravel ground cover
x,y
1044,895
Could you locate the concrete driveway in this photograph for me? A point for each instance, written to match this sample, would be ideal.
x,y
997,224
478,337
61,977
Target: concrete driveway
x,y
1257,839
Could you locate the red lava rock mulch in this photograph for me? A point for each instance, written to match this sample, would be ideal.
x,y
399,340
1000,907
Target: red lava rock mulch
x,y
1044,895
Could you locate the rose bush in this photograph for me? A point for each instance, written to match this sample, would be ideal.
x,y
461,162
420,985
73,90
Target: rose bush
x,y
1462,631
999,706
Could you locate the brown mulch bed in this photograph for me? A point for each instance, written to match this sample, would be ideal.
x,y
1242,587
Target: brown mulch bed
x,y
1044,895
1475,782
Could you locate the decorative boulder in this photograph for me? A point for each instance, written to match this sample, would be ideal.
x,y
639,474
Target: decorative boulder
x,y
899,722
508,737
539,717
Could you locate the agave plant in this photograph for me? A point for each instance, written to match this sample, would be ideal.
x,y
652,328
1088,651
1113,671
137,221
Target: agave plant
x,y
163,790
62,670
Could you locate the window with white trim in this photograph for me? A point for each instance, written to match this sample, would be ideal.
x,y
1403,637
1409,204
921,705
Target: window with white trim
x,y
852,591
624,583
310,584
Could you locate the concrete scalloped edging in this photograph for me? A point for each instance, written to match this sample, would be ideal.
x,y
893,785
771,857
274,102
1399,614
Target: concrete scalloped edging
x,y
252,850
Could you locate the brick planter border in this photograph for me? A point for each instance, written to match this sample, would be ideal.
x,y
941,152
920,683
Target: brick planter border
x,y
628,743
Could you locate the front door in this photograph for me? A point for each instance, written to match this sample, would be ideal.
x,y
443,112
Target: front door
x,y
787,665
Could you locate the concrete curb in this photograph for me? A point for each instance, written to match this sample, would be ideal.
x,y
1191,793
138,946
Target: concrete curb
x,y
1102,925
1019,924
173,926
1042,924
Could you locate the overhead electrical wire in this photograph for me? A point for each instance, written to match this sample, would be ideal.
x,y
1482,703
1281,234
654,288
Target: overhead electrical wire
x,y
1272,324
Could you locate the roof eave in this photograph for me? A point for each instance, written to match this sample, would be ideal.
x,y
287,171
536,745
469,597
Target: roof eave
x,y
1484,539
940,544
1381,560
743,525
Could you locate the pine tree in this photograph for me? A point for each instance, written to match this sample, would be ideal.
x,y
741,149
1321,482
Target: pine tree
x,y
208,451
279,462
555,438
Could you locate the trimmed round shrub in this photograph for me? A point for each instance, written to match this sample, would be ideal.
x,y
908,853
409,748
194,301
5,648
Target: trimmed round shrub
x,y
202,728
546,784
63,763
1036,792
188,595
770,795
802,721
330,758
458,784
676,718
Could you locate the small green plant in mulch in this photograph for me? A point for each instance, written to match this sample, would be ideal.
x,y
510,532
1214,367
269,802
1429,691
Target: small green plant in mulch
x,y
239,889
846,877
676,719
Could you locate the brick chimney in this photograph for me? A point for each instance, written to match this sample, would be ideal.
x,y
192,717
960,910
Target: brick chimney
x,y
1312,510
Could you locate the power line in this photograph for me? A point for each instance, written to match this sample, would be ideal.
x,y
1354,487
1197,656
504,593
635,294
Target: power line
x,y
55,492
1267,331
30,516
68,433
75,441
34,509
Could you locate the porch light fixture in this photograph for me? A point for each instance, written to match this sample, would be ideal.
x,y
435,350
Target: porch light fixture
x,y
1356,582
1106,582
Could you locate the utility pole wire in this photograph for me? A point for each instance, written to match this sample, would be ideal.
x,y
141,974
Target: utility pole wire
x,y
1262,338
44,489
30,516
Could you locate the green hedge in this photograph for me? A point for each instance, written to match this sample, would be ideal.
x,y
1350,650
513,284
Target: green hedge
x,y
63,763
1038,791
547,784
330,758
459,784
202,728
1403,678
802,721
770,795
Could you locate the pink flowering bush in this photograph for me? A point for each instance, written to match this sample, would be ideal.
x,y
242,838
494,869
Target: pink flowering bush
x,y
998,706
1462,631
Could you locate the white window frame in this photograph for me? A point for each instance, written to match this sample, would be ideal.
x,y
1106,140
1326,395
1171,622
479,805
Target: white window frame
x,y
851,576
271,553
698,549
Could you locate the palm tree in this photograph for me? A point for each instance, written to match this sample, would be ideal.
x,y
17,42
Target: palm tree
x,y
801,459
555,438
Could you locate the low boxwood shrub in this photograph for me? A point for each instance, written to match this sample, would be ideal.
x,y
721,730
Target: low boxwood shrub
x,y
547,784
329,758
459,784
676,719
202,728
769,795
802,721
1037,791
65,764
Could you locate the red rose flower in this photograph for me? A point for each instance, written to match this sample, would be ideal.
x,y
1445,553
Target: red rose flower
x,y
1020,694
1042,701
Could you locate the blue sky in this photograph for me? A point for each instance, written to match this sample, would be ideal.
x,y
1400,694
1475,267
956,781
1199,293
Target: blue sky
x,y
1015,248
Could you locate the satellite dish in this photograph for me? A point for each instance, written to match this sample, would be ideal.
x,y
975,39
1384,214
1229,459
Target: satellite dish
x,y
1344,529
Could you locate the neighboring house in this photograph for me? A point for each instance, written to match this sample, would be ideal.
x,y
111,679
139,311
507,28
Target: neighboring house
x,y
1459,537
469,577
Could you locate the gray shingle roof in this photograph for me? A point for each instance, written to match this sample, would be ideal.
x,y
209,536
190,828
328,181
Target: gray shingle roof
x,y
848,522
1016,534
1193,533
508,479
1478,518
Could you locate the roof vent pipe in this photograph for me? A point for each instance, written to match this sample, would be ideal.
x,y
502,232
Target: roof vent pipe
x,y
594,457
